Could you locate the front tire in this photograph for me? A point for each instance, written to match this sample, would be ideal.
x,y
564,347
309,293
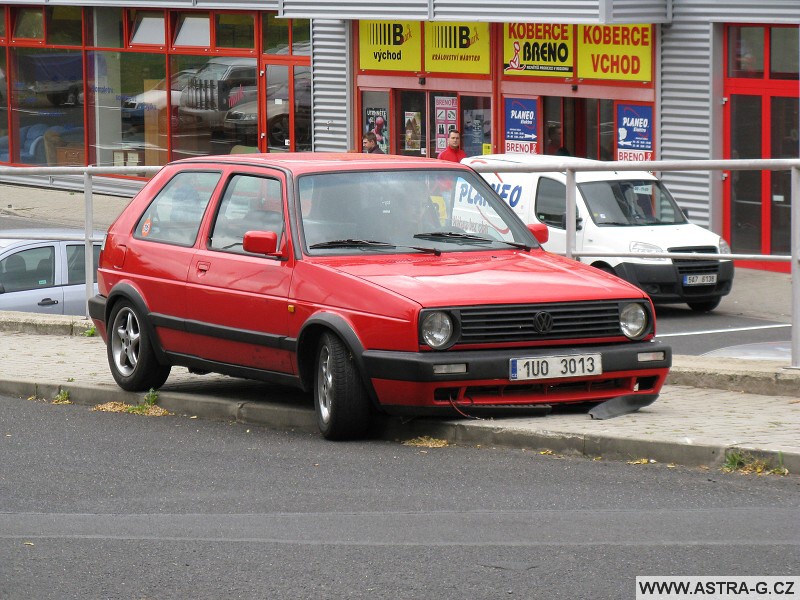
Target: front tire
x,y
340,399
130,351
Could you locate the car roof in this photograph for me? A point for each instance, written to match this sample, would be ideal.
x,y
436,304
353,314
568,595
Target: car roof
x,y
10,238
313,162
558,163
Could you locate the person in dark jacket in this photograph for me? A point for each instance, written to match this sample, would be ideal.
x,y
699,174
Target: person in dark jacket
x,y
369,143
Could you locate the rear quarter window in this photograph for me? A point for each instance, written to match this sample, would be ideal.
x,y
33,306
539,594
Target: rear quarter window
x,y
175,213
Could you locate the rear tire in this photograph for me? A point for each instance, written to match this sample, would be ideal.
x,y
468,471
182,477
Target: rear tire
x,y
130,351
704,306
340,398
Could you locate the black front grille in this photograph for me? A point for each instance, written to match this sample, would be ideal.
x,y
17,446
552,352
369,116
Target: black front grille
x,y
695,266
515,323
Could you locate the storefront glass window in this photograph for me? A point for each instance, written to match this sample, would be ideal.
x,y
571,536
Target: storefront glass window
x,y
2,21
193,29
784,53
131,107
213,105
235,30
476,123
106,28
746,185
29,24
64,25
409,127
46,105
275,33
746,52
278,131
301,37
785,144
375,117
148,27
302,108
3,106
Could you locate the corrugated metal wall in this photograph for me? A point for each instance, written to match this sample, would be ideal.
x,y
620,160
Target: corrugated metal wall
x,y
331,85
690,82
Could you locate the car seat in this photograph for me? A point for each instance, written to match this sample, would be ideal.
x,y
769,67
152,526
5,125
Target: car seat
x,y
14,273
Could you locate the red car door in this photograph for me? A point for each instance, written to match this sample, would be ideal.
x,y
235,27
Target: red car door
x,y
237,302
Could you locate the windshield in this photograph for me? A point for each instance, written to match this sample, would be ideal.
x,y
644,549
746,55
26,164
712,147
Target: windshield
x,y
630,202
405,211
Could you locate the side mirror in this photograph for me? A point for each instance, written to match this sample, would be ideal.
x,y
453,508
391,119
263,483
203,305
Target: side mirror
x,y
261,242
2,289
540,232
578,222
685,212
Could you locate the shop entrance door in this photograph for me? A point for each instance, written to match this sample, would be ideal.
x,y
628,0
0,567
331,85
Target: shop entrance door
x,y
424,119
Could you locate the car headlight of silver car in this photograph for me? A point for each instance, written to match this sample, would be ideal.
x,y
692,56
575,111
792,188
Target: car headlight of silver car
x,y
437,329
633,320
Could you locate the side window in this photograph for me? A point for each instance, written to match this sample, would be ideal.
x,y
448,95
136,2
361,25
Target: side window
x,y
28,269
248,204
175,213
551,202
76,269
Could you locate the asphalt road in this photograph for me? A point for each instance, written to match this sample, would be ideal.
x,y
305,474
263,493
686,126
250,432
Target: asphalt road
x,y
100,505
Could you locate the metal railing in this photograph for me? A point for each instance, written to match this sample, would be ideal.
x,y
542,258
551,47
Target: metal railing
x,y
571,166
566,165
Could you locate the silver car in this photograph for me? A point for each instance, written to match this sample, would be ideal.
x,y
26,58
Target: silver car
x,y
43,272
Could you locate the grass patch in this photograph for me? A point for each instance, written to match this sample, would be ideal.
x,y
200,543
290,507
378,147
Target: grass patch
x,y
90,332
739,461
62,398
148,407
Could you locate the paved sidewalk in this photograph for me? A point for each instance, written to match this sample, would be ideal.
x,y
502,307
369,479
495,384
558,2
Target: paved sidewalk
x,y
687,425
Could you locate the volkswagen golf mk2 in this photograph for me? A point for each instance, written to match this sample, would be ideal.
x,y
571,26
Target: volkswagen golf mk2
x,y
392,284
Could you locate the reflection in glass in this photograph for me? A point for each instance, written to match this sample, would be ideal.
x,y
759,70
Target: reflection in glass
x,y
148,27
746,185
193,29
302,109
476,123
235,30
131,108
301,37
746,52
785,52
785,144
46,103
275,34
106,27
221,87
64,25
2,21
29,24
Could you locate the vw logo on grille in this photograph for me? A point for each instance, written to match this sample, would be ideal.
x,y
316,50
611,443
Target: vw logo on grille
x,y
543,322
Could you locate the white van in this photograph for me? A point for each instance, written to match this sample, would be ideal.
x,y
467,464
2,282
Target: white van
x,y
630,211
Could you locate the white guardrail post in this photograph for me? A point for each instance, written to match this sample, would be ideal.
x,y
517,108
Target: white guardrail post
x,y
795,245
88,207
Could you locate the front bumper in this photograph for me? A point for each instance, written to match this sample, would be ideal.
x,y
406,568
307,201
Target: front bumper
x,y
406,380
664,282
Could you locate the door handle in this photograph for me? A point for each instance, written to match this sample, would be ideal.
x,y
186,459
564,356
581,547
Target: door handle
x,y
203,266
47,302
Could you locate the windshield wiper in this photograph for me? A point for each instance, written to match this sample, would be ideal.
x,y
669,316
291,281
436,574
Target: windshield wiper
x,y
354,243
454,236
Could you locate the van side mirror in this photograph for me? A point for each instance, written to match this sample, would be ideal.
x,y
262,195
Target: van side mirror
x,y
261,242
578,222
2,289
540,232
685,212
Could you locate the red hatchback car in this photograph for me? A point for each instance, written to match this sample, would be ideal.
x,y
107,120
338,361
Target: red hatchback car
x,y
398,284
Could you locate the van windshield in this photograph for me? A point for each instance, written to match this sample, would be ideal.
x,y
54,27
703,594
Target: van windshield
x,y
630,202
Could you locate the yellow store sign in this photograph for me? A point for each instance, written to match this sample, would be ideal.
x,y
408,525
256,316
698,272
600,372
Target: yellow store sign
x,y
538,49
457,48
615,52
390,45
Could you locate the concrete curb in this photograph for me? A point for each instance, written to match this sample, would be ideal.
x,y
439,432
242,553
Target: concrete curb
x,y
472,433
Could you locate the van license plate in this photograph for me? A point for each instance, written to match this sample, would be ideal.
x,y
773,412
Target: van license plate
x,y
552,367
700,279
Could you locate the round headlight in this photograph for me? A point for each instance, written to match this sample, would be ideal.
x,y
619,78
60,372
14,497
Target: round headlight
x,y
633,320
437,329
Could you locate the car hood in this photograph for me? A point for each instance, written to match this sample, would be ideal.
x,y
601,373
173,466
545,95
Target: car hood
x,y
508,277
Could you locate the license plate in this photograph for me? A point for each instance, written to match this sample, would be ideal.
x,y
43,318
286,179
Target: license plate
x,y
552,367
700,279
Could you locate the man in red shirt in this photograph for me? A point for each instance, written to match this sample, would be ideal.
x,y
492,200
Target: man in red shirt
x,y
453,152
